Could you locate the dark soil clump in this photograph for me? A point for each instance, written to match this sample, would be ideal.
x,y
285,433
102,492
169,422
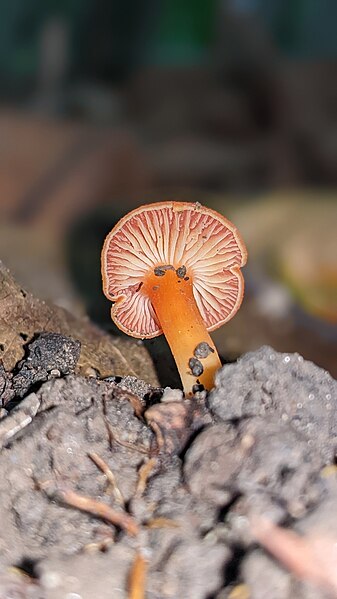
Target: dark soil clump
x,y
49,355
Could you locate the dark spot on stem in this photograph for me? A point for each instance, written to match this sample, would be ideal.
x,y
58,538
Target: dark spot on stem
x,y
196,367
197,387
203,350
186,278
159,271
181,272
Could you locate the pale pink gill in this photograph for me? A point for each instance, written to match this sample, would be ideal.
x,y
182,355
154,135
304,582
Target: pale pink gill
x,y
205,245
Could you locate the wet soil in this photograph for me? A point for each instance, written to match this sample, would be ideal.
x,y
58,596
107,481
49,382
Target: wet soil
x,y
112,486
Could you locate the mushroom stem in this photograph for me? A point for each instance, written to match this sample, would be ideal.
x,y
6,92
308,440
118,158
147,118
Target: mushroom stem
x,y
179,317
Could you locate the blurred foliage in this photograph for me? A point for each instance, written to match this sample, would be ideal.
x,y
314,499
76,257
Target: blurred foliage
x,y
21,25
110,37
185,32
305,28
106,37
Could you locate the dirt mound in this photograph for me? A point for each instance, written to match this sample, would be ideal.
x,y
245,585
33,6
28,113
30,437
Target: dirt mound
x,y
108,484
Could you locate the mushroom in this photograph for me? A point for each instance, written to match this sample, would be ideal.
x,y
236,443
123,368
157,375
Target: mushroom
x,y
174,268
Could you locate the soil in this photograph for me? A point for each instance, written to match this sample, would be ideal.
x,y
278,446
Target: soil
x,y
112,487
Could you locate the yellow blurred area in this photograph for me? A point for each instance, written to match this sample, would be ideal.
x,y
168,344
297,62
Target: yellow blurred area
x,y
292,236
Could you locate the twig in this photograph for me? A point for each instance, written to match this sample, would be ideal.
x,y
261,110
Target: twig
x,y
99,509
143,475
240,591
137,577
159,435
19,418
103,466
310,557
162,523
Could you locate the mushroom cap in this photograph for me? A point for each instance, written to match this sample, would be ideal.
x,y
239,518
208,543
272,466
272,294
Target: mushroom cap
x,y
177,234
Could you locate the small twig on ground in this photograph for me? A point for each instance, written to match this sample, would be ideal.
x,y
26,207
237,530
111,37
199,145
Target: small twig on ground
x,y
143,475
99,509
19,418
240,591
137,405
162,523
311,557
101,464
159,435
137,577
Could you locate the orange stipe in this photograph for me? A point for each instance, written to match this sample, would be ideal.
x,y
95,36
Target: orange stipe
x,y
182,324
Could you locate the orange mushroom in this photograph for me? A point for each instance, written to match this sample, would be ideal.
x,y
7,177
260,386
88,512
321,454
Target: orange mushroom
x,y
174,268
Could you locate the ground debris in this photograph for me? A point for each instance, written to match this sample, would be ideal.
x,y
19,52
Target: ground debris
x,y
309,558
263,461
102,465
297,391
133,384
50,354
6,386
97,508
16,584
23,316
174,422
162,491
20,417
137,577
